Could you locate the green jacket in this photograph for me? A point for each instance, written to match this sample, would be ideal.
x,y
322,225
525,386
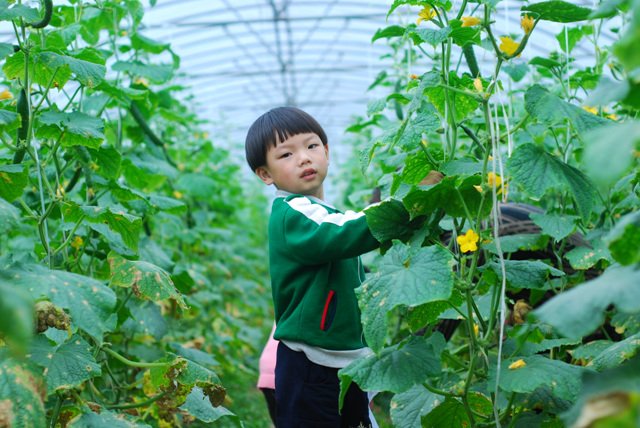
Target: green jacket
x,y
314,261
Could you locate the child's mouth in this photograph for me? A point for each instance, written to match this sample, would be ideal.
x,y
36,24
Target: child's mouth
x,y
308,174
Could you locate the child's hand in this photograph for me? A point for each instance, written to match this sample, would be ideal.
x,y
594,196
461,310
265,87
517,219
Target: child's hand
x,y
434,177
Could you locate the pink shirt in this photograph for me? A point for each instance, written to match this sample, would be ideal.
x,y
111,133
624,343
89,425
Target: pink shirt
x,y
267,377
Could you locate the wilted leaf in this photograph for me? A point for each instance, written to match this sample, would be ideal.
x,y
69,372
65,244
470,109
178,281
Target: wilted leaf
x,y
199,407
616,354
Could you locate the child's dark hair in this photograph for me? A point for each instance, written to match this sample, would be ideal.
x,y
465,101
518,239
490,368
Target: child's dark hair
x,y
285,122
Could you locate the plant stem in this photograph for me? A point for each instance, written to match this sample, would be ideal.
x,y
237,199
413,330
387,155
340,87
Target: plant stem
x,y
56,410
140,404
129,362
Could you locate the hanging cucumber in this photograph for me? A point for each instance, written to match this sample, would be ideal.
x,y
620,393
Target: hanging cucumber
x,y
22,108
140,120
470,56
46,19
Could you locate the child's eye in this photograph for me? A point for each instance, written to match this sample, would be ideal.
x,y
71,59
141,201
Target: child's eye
x,y
286,155
313,146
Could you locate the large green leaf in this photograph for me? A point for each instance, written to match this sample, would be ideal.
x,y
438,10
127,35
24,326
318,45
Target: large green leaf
x,y
104,419
537,171
616,354
67,365
140,42
424,122
147,280
108,160
200,408
580,310
433,36
147,320
422,200
406,276
9,120
9,217
525,273
558,226
397,368
584,257
8,13
124,224
90,74
558,11
549,109
452,413
464,104
617,141
408,407
562,378
76,128
13,180
156,73
388,32
390,220
20,395
14,68
594,386
624,239
88,301
386,137
16,316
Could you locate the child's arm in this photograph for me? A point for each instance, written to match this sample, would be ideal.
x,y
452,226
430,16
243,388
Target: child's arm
x,y
314,236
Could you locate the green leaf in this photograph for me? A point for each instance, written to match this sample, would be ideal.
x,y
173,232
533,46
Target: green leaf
x,y
5,50
525,273
463,36
590,350
616,354
515,243
124,224
147,280
617,141
538,171
78,128
200,408
549,109
406,276
9,217
140,42
8,13
147,320
463,167
156,73
580,310
108,160
423,123
562,378
433,36
88,301
624,239
423,200
390,220
557,11
123,94
167,204
16,316
20,398
408,407
558,226
87,73
544,62
14,68
427,313
13,180
9,120
463,104
104,419
629,323
386,137
582,258
376,106
416,167
397,368
597,386
572,35
450,413
388,32
67,365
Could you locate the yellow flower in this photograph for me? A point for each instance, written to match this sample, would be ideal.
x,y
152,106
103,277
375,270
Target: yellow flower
x,y
477,83
6,95
468,242
527,23
491,178
413,76
77,242
426,14
517,364
593,110
177,194
476,329
508,46
470,21
478,188
141,80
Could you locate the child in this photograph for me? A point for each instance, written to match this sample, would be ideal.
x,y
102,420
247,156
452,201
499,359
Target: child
x,y
314,261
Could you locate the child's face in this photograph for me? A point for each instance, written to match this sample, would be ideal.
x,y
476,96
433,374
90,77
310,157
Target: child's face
x,y
298,165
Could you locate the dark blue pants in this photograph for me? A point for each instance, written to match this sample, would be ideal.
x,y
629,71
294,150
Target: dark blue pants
x,y
307,395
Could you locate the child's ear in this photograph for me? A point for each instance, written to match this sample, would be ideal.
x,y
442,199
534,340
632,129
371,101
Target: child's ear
x,y
264,175
326,149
